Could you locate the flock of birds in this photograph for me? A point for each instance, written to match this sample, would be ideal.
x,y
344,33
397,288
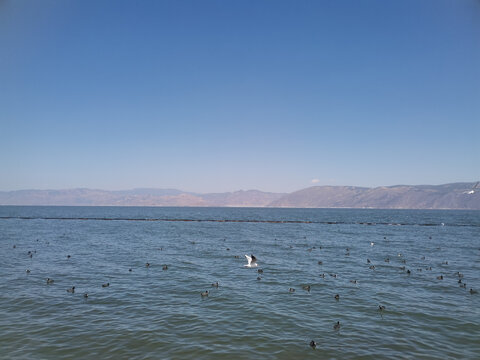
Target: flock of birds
x,y
252,262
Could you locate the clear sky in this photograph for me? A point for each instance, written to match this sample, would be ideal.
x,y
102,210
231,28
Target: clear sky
x,y
225,95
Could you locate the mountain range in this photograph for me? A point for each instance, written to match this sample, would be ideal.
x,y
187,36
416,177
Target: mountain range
x,y
447,196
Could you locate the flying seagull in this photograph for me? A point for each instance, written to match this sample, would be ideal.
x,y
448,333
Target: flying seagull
x,y
252,261
472,191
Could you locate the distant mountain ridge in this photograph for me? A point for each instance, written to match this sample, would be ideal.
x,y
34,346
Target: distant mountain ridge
x,y
447,196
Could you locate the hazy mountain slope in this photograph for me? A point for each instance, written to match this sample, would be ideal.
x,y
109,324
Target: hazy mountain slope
x,y
448,196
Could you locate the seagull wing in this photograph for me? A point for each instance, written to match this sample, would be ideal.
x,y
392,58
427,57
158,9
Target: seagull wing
x,y
249,259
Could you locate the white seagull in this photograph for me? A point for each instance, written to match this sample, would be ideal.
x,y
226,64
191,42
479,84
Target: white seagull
x,y
252,261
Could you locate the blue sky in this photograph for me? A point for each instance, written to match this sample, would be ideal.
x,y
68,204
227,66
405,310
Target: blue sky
x,y
226,95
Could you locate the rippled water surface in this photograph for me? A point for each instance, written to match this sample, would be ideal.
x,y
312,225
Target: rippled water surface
x,y
151,313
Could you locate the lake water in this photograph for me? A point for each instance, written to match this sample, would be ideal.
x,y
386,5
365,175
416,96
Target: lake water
x,y
151,313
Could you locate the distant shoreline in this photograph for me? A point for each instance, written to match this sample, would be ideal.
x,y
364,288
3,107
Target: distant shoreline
x,y
455,196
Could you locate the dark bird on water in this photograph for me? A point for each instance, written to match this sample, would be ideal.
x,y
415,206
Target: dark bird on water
x,y
106,285
291,290
215,284
440,277
85,295
336,326
71,290
473,291
49,281
306,287
337,297
205,293
165,267
147,265
381,307
313,344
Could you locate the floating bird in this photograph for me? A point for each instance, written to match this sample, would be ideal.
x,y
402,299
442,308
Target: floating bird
x,y
49,281
165,267
147,265
387,260
228,249
215,284
408,272
368,261
306,287
106,285
205,293
320,263
313,344
372,267
259,278
472,291
322,276
353,281
71,290
27,271
252,261
68,256
381,307
440,277
85,295
337,297
336,326
260,271
372,243
130,269
291,290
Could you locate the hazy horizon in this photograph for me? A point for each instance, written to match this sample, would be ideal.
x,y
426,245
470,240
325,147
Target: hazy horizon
x,y
236,190
218,96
